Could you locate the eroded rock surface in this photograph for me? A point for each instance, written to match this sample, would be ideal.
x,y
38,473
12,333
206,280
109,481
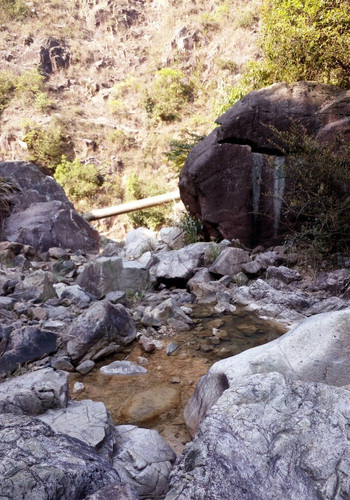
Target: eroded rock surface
x,y
315,351
269,437
35,462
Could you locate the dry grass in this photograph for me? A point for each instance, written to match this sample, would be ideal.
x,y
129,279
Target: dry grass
x,y
115,56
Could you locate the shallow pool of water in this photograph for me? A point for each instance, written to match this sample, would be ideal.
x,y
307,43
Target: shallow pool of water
x,y
157,399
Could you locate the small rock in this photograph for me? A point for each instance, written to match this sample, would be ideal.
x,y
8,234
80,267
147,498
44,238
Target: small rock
x,y
206,348
78,387
122,368
175,380
146,344
171,347
142,361
62,363
85,367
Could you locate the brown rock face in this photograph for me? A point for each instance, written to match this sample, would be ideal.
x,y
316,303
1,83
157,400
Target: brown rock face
x,y
234,181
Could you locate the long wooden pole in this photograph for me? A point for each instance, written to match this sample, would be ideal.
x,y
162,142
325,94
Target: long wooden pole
x,y
100,213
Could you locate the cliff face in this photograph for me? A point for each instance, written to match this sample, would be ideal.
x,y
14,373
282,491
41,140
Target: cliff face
x,y
122,78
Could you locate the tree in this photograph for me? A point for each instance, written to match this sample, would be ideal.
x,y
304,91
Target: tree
x,y
307,40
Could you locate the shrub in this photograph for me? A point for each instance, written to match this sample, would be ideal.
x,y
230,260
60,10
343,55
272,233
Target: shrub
x,y
317,202
29,84
77,179
307,40
7,86
12,10
179,149
45,145
191,227
138,188
6,189
170,91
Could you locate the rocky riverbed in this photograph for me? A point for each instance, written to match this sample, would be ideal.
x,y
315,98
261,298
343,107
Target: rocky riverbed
x,y
113,355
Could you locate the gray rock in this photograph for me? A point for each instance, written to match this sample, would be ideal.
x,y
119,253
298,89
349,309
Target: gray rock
x,y
139,241
37,286
25,344
269,437
174,237
78,387
122,368
34,392
110,274
6,302
283,274
74,293
36,463
98,326
178,265
133,277
116,297
62,363
87,421
33,186
230,261
164,313
316,351
122,491
85,367
44,225
144,460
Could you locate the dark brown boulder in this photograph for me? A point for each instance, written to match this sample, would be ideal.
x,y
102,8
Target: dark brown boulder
x,y
41,214
234,181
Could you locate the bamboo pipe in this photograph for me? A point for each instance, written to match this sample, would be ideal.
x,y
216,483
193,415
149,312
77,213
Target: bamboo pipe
x,y
100,213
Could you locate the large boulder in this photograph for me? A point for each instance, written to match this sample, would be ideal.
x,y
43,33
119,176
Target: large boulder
x,y
234,181
36,463
110,274
269,437
24,344
316,350
177,266
97,327
41,214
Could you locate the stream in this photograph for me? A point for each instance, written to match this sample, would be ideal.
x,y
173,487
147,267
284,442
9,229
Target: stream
x,y
156,400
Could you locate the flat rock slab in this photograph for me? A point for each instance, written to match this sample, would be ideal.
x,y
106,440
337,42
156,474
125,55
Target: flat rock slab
x,y
150,404
86,420
122,368
269,438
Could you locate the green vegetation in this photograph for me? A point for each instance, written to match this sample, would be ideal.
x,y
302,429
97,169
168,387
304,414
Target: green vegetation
x,y
7,87
77,179
6,189
317,203
179,149
300,40
307,40
170,91
12,10
138,188
45,145
191,227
